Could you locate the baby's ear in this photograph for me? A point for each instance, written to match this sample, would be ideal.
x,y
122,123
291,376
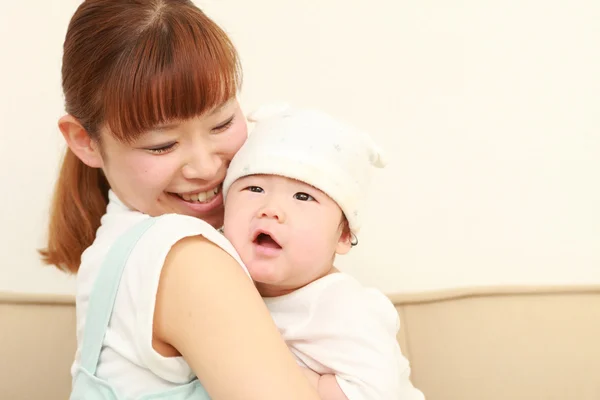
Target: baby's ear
x,y
345,241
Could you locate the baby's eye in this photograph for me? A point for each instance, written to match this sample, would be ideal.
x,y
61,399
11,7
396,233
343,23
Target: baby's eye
x,y
255,189
303,196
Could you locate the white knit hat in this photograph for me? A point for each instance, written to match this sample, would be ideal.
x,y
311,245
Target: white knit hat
x,y
311,147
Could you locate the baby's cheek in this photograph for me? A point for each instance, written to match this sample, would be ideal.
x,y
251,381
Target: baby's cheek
x,y
228,230
233,230
310,248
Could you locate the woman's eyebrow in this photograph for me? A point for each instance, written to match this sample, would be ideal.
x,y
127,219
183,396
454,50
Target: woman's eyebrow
x,y
172,125
218,108
167,126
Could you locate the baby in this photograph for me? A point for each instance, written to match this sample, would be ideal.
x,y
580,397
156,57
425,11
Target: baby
x,y
293,200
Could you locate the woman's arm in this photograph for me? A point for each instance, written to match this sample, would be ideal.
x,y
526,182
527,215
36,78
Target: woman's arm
x,y
208,309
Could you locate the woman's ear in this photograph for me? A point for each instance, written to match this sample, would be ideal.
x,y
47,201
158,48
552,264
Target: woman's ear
x,y
79,141
345,241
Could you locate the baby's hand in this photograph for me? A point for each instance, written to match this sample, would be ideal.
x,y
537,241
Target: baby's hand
x,y
326,385
312,377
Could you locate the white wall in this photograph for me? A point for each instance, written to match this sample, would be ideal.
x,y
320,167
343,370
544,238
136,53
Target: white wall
x,y
489,112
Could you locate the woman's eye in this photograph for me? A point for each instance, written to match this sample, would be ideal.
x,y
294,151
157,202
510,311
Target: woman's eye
x,y
224,126
255,189
303,196
162,149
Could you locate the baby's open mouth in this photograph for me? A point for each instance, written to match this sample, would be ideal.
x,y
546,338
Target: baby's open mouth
x,y
266,240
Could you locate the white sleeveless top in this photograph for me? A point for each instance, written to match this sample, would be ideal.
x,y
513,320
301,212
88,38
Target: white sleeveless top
x,y
128,360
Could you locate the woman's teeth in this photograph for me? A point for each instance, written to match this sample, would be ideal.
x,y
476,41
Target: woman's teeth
x,y
201,197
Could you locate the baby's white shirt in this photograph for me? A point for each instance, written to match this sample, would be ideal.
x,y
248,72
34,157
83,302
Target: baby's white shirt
x,y
336,326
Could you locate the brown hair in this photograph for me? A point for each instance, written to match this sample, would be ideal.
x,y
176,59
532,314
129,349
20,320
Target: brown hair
x,y
129,66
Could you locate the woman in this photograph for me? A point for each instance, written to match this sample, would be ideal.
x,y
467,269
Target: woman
x,y
150,91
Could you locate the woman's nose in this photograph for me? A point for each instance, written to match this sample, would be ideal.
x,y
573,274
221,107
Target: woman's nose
x,y
202,164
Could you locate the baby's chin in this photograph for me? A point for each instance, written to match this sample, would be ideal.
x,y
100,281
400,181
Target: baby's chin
x,y
266,273
267,290
270,287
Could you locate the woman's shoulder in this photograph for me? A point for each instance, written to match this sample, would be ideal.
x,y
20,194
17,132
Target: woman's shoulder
x,y
180,223
196,235
174,247
157,241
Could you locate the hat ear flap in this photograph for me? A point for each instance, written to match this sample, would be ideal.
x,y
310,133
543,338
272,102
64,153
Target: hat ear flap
x,y
376,157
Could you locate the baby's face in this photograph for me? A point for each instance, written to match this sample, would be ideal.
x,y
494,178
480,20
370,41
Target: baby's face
x,y
286,232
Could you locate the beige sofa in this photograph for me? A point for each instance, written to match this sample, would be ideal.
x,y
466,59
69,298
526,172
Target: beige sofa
x,y
471,344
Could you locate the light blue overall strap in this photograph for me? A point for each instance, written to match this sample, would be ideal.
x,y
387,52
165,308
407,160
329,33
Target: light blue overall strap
x,y
104,292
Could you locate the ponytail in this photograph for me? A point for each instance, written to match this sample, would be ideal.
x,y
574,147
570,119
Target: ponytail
x,y
80,200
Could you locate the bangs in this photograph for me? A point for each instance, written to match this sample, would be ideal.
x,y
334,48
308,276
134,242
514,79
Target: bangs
x,y
179,67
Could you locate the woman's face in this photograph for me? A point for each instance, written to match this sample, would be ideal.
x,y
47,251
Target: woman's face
x,y
177,168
